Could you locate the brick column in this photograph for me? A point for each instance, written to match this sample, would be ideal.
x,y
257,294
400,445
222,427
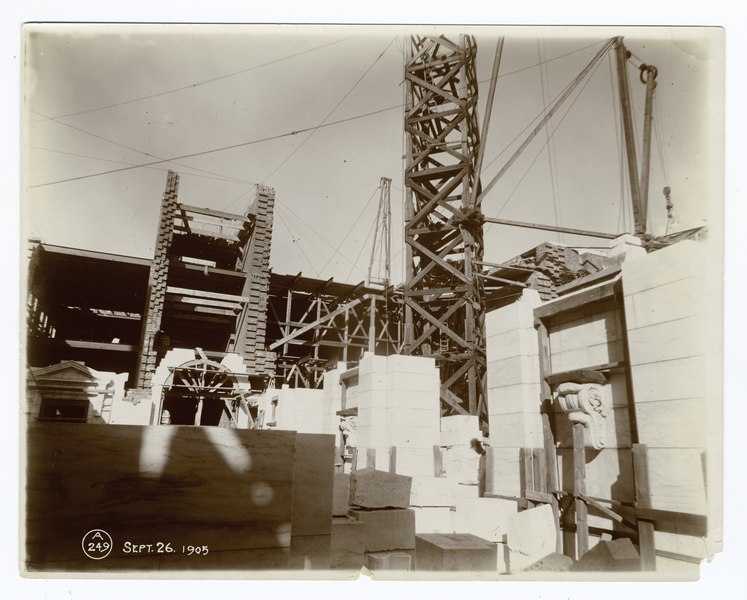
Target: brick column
x,y
157,283
251,341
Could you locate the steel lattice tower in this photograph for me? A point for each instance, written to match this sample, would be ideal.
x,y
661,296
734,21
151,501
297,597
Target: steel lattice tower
x,y
444,297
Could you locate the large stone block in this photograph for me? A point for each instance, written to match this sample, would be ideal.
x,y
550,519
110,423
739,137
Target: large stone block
x,y
519,430
454,552
310,552
370,488
341,494
509,399
413,437
461,464
677,479
514,342
502,471
655,305
313,484
678,261
387,529
673,423
411,364
613,555
487,518
431,491
433,519
414,462
531,537
348,544
512,371
609,473
388,561
670,380
680,338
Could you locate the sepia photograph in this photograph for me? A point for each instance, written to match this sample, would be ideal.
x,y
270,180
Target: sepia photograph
x,y
413,302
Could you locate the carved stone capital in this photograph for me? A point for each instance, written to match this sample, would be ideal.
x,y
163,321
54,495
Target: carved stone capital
x,y
586,403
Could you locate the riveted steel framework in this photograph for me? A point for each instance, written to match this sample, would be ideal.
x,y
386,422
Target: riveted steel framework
x,y
444,297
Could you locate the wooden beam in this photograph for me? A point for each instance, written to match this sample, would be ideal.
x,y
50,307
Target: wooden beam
x,y
216,213
643,501
556,228
579,490
204,294
84,344
566,303
340,310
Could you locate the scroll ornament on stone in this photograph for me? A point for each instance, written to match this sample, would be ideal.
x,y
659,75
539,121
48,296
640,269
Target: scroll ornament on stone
x,y
586,403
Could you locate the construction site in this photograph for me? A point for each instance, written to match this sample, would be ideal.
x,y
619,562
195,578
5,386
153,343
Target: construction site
x,y
547,415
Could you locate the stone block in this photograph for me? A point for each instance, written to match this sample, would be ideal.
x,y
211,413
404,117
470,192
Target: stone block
x,y
670,380
531,537
433,519
313,484
421,399
609,473
341,494
310,552
410,364
502,471
673,423
676,262
677,479
414,462
518,430
656,305
454,552
514,342
487,518
431,491
512,371
461,464
508,399
388,561
614,555
370,488
348,544
552,563
602,353
413,382
387,529
413,437
680,338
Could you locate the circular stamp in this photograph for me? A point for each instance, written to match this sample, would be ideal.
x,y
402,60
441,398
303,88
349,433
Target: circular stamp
x,y
97,544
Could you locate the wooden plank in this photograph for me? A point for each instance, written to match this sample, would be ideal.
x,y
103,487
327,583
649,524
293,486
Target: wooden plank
x,y
216,213
675,522
229,489
371,458
643,501
99,346
525,474
600,292
579,489
541,497
181,299
203,294
393,459
608,512
584,232
539,468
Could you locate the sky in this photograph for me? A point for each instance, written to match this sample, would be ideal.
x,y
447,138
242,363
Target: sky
x,y
100,99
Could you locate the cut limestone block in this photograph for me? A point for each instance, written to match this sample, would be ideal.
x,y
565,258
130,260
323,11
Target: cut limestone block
x,y
387,529
313,484
487,518
370,488
459,430
552,563
431,491
531,537
414,462
310,552
388,561
502,471
454,552
341,494
348,544
433,519
461,463
615,555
